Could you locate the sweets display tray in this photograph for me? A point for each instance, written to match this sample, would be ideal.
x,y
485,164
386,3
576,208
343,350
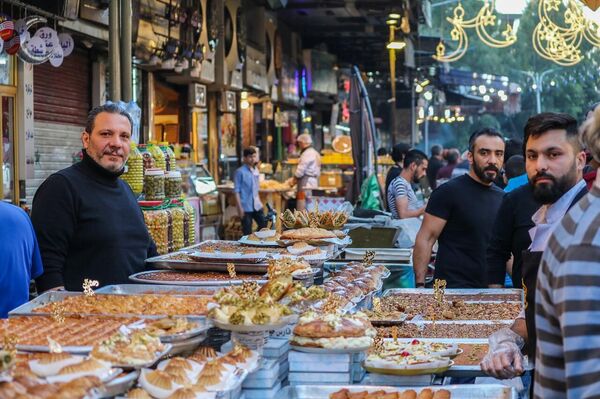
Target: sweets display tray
x,y
165,262
512,292
154,289
381,254
466,391
27,309
137,277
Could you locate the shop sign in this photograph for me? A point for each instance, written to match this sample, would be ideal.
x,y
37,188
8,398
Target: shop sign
x,y
49,36
36,46
67,43
57,57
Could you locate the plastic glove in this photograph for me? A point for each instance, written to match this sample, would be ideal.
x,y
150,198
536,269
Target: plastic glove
x,y
504,359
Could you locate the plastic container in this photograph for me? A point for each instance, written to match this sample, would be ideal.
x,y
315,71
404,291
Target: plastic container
x,y
158,155
134,170
154,184
191,223
157,222
173,183
170,158
179,234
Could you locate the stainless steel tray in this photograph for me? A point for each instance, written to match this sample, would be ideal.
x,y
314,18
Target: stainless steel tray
x,y
208,283
162,262
118,386
203,326
27,309
187,346
381,254
157,357
153,289
457,291
466,391
75,350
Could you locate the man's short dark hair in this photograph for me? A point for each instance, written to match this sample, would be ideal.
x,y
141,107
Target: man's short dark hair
x,y
486,131
109,108
513,147
436,150
515,166
415,156
452,156
249,151
539,124
399,152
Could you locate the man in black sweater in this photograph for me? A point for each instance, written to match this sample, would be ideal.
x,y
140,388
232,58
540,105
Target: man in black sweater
x,y
87,220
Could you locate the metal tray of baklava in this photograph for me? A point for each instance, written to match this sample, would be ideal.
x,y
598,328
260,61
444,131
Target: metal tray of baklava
x,y
28,309
154,289
166,262
510,292
464,391
137,277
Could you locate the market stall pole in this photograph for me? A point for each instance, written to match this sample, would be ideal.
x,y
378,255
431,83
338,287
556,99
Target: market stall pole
x,y
272,196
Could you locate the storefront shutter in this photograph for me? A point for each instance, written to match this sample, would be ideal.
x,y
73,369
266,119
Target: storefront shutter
x,y
62,95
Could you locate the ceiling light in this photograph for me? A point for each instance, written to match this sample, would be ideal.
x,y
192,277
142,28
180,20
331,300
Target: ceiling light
x,y
486,98
396,45
482,89
428,96
418,89
392,22
394,15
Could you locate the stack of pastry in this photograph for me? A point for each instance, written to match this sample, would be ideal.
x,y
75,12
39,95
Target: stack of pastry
x,y
425,393
133,349
332,330
248,305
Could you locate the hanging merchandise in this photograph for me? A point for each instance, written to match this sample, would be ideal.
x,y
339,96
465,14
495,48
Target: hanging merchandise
x,y
158,155
134,171
32,49
67,43
370,197
170,159
7,27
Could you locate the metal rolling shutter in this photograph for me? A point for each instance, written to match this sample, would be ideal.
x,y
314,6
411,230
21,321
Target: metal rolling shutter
x,y
62,95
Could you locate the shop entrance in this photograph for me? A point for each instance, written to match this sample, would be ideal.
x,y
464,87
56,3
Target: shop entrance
x,y
10,190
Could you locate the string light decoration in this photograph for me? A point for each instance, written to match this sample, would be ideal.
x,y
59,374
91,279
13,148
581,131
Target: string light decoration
x,y
485,18
561,44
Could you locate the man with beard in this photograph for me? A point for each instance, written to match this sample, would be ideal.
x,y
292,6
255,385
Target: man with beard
x,y
554,162
401,197
459,216
87,220
246,192
566,309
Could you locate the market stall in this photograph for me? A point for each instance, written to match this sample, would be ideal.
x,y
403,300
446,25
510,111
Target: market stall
x,y
261,317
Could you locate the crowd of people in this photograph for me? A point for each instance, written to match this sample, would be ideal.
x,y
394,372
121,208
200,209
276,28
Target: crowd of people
x,y
542,230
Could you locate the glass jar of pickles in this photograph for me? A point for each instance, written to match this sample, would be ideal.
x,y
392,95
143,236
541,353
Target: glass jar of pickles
x,y
154,184
134,170
173,184
157,222
158,155
147,159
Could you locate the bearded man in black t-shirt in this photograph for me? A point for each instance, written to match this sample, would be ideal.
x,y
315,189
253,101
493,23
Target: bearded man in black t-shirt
x,y
460,215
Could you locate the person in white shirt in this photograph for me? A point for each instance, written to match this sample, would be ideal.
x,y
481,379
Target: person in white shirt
x,y
308,170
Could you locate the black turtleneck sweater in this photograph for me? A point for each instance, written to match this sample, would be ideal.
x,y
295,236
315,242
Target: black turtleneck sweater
x,y
88,225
